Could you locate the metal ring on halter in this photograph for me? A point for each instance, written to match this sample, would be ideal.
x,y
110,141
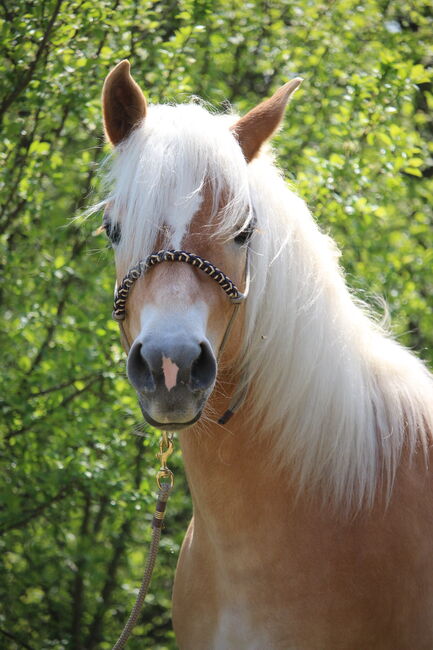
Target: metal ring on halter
x,y
137,271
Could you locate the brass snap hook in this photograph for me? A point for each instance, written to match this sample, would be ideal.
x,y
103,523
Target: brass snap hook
x,y
165,451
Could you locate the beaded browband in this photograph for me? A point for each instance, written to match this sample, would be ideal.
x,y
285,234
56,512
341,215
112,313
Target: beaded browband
x,y
121,296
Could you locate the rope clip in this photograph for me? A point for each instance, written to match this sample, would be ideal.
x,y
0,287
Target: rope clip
x,y
165,451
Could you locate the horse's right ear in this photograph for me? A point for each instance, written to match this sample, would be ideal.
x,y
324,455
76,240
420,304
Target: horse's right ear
x,y
123,103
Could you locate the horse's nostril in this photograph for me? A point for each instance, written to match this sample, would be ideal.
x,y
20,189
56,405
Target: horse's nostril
x,y
139,372
203,369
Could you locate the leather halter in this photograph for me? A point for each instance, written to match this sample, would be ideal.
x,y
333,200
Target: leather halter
x,y
226,284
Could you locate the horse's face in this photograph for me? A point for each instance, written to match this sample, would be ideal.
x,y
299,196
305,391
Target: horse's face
x,y
177,317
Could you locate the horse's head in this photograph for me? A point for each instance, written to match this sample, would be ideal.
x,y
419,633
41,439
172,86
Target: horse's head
x,y
180,183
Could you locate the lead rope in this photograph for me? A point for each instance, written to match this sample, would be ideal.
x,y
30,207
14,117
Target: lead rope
x,y
165,481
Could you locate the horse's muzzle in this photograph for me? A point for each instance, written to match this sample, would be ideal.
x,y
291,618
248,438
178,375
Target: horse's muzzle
x,y
173,377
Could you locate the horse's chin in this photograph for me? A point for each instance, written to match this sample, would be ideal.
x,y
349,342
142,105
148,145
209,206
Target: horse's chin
x,y
168,425
173,409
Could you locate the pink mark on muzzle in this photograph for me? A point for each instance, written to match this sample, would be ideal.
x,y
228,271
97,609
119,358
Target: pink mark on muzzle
x,y
170,371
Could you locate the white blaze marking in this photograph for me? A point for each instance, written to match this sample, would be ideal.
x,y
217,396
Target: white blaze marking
x,y
179,218
170,371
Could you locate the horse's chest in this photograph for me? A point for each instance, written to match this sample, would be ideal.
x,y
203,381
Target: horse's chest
x,y
314,595
222,603
237,628
235,624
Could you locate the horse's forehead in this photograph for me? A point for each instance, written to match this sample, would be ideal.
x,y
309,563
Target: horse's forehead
x,y
191,218
179,217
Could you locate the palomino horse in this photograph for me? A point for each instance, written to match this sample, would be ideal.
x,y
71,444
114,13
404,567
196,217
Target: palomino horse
x,y
313,503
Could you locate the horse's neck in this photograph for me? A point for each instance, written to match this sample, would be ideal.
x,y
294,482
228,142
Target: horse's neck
x,y
230,476
241,496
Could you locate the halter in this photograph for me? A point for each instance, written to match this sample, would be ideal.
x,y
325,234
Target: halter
x,y
137,271
213,272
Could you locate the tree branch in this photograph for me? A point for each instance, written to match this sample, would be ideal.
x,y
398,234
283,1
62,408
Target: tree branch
x,y
95,631
66,400
11,636
66,384
78,582
27,76
38,511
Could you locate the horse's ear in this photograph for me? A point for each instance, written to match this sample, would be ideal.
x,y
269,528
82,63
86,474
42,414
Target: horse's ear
x,y
258,125
123,103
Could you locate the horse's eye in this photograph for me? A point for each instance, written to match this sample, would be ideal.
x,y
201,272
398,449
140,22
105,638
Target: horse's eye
x,y
245,235
113,232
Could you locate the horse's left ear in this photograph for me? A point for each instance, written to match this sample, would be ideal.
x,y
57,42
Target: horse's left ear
x,y
123,103
259,123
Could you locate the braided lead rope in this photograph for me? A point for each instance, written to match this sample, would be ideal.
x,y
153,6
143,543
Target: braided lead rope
x,y
148,570
137,271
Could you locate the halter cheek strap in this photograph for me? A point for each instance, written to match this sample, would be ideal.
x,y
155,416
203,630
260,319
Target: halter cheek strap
x,y
226,284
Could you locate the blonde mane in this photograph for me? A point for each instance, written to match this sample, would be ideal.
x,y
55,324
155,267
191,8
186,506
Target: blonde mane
x,y
340,399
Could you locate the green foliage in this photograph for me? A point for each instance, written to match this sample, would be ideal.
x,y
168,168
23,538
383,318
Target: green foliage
x,y
77,484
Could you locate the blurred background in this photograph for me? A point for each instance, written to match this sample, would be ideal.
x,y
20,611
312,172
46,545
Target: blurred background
x,y
77,465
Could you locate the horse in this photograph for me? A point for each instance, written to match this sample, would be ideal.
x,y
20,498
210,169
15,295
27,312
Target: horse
x,y
305,429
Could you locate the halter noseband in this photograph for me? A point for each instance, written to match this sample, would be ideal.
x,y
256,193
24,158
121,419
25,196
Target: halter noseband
x,y
137,271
